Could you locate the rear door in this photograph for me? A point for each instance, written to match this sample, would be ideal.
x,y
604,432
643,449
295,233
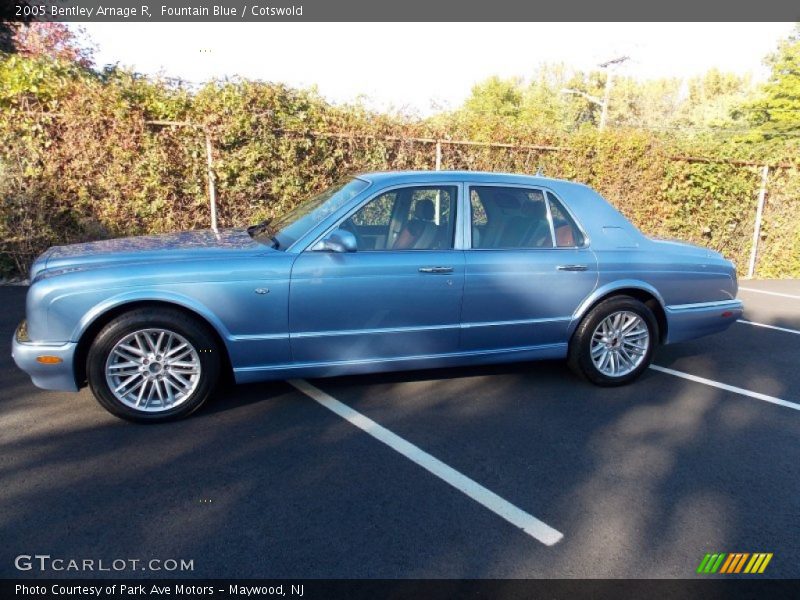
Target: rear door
x,y
528,268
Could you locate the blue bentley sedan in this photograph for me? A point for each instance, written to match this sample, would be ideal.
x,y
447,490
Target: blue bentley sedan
x,y
384,271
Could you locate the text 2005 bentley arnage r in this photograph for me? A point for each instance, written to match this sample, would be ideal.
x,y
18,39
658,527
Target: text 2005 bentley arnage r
x,y
386,271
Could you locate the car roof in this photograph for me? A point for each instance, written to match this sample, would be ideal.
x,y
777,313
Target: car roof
x,y
399,177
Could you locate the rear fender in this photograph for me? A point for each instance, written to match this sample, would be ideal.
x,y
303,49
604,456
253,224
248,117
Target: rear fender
x,y
607,290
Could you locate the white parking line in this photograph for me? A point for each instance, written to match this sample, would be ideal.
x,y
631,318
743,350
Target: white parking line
x,y
775,327
782,295
728,388
516,516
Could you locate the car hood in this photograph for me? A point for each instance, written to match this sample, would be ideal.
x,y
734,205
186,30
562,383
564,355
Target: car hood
x,y
184,245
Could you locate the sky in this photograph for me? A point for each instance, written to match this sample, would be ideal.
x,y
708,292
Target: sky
x,y
423,67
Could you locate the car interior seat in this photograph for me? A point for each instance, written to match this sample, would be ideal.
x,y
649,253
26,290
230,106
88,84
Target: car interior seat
x,y
504,207
565,237
420,232
537,228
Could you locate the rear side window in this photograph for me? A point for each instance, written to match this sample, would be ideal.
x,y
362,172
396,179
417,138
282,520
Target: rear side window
x,y
566,231
506,217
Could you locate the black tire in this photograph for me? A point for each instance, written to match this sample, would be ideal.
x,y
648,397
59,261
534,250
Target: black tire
x,y
191,329
579,357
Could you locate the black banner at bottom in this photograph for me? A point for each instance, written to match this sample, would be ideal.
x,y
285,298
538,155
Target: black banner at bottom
x,y
429,589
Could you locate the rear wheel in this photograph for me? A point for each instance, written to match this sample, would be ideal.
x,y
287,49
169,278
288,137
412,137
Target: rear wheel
x,y
151,365
614,342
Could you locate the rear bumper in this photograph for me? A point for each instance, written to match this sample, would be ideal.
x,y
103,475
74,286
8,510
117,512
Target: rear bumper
x,y
57,376
690,321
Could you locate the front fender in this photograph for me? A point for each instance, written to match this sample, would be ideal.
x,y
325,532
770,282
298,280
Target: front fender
x,y
166,296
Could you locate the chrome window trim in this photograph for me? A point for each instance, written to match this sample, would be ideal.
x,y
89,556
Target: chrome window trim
x,y
553,243
464,219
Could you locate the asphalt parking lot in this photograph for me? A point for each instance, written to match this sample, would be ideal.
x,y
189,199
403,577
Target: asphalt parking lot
x,y
266,481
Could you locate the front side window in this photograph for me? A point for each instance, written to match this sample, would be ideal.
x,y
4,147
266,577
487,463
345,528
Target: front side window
x,y
412,218
376,213
506,217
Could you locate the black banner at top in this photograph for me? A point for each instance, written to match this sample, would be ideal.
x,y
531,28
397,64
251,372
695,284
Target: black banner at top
x,y
398,10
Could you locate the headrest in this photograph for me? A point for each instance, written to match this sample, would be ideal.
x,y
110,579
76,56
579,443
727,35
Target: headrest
x,y
424,210
533,208
506,201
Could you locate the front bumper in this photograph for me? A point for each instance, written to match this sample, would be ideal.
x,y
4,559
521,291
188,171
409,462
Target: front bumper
x,y
690,321
56,376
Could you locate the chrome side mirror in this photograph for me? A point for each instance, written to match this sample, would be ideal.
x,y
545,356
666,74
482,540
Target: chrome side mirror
x,y
338,240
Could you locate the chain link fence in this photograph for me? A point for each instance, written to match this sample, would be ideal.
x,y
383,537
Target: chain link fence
x,y
105,177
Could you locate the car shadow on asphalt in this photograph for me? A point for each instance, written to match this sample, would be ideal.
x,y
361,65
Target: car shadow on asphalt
x,y
263,482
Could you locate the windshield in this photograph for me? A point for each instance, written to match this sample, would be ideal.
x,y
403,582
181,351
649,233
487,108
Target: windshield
x,y
285,231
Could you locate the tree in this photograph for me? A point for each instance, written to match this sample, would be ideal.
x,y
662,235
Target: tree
x,y
777,110
712,97
495,97
539,104
50,40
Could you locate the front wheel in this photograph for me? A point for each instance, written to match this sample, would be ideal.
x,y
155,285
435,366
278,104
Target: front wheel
x,y
151,365
614,342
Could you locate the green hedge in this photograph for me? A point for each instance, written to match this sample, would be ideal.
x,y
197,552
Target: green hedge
x,y
78,161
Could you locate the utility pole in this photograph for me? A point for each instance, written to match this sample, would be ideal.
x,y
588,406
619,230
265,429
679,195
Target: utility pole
x,y
602,103
607,93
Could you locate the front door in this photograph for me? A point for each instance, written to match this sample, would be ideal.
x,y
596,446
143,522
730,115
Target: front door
x,y
527,271
398,295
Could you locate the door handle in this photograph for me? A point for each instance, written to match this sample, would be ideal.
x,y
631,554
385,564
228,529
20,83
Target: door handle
x,y
436,269
572,267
